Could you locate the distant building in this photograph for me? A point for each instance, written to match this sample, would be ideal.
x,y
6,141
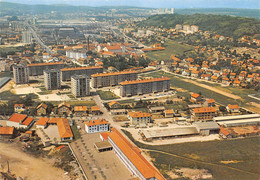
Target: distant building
x,y
21,74
80,110
76,54
137,118
178,27
194,28
80,85
6,132
112,78
99,125
27,37
203,114
64,109
145,86
186,28
19,108
233,108
52,79
67,73
41,109
38,68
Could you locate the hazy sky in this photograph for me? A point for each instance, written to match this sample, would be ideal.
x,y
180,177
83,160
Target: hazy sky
x,y
152,3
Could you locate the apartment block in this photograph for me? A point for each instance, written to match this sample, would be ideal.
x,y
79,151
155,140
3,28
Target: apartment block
x,y
145,86
98,125
137,118
38,68
21,74
112,78
67,73
203,114
80,85
52,79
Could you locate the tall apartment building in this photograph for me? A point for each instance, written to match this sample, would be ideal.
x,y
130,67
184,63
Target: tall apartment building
x,y
38,68
27,37
112,79
21,74
66,73
145,86
80,85
52,79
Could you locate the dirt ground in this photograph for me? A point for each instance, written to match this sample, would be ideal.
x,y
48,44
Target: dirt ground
x,y
191,173
26,166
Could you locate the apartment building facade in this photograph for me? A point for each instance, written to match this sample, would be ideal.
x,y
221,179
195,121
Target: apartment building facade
x,y
52,79
21,74
80,85
145,86
38,68
98,125
112,78
67,73
203,114
137,118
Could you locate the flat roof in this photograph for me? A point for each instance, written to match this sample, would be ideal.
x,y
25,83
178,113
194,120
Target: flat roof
x,y
236,117
103,145
206,125
256,120
166,132
145,81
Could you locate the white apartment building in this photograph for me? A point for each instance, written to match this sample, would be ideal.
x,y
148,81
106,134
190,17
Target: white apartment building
x,y
98,125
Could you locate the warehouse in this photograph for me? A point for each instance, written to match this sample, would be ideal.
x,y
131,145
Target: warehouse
x,y
207,128
238,120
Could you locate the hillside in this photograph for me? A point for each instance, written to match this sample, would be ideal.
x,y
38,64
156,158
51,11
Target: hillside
x,y
220,24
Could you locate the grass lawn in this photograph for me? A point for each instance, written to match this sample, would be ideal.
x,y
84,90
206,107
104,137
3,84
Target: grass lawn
x,y
75,131
172,48
207,155
107,95
7,95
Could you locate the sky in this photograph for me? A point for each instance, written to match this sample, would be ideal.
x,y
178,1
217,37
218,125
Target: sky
x,y
255,4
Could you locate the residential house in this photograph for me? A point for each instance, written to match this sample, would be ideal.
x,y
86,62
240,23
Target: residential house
x,y
19,108
206,77
196,97
203,114
98,125
137,118
20,121
209,103
41,109
168,113
114,105
6,132
95,110
195,73
157,109
80,110
233,108
64,109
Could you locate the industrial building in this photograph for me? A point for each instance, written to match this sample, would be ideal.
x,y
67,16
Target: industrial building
x,y
112,78
67,73
38,68
238,120
52,79
20,121
145,86
21,74
207,128
132,158
80,85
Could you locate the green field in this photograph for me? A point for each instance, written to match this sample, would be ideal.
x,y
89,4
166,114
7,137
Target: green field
x,y
208,155
76,103
179,83
172,48
107,95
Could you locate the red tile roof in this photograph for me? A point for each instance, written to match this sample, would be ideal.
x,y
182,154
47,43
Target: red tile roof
x,y
27,121
204,109
81,68
96,122
134,155
42,121
44,64
64,128
104,135
6,130
17,118
139,114
114,73
144,81
235,106
195,95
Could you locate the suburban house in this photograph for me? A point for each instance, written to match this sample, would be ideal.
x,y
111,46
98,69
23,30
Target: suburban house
x,y
114,105
157,109
168,113
6,132
64,108
41,109
209,103
233,108
99,125
95,110
137,118
196,97
203,114
19,108
20,121
80,110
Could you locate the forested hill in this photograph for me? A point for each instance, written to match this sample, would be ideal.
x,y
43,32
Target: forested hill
x,y
221,24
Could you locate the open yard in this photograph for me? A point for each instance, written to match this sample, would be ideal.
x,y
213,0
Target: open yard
x,y
242,153
172,48
107,95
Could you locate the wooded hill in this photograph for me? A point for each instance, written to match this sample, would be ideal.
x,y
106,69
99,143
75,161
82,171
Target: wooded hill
x,y
219,24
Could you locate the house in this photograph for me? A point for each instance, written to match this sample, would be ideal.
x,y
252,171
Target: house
x,y
80,110
236,83
214,78
233,108
195,73
20,121
41,109
98,125
203,114
137,118
6,132
224,133
64,109
19,108
42,122
114,105
118,111
206,77
209,103
95,110
196,97
168,113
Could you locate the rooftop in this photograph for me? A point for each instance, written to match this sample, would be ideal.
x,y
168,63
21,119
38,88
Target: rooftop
x,y
6,130
144,81
81,68
204,110
139,114
44,64
114,73
96,122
